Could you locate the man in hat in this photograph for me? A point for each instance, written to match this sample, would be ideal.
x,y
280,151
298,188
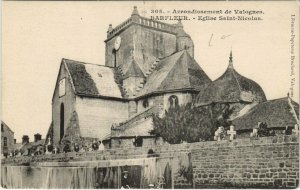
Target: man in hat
x,y
125,180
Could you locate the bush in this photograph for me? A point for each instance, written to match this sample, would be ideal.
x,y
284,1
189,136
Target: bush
x,y
191,124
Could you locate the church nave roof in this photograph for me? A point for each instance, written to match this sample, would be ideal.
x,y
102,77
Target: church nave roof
x,y
92,80
178,71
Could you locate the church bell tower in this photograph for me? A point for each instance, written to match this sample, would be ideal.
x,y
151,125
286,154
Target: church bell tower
x,y
139,39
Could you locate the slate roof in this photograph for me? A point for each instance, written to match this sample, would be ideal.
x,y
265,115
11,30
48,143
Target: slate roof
x,y
178,71
276,113
231,87
133,70
92,80
17,146
25,147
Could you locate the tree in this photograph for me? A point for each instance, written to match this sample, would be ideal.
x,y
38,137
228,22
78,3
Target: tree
x,y
191,124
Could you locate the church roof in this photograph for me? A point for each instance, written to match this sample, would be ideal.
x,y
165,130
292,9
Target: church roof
x,y
231,87
92,80
276,113
133,70
169,70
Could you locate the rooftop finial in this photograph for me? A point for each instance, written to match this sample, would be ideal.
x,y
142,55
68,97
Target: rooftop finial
x,y
179,23
135,11
109,28
230,60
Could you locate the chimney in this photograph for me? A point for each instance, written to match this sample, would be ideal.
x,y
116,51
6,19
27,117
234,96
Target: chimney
x,y
15,141
25,139
37,137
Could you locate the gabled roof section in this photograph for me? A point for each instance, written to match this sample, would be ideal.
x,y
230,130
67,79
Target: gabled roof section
x,y
178,71
92,80
231,87
134,70
276,113
6,127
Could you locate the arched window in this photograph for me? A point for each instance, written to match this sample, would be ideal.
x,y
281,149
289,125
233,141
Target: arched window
x,y
5,141
173,100
62,120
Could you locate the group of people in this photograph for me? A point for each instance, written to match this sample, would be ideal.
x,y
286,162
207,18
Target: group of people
x,y
76,147
50,149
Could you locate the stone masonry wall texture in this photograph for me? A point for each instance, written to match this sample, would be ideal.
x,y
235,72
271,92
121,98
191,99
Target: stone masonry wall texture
x,y
266,162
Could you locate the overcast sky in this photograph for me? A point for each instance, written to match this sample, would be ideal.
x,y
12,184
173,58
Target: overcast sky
x,y
37,35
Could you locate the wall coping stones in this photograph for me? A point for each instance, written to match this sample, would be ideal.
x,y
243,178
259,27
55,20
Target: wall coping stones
x,y
167,148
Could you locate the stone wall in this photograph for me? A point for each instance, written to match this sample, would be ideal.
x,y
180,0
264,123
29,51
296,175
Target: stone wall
x,y
266,162
254,163
96,115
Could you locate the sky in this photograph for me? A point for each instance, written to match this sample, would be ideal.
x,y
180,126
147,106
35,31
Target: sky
x,y
37,35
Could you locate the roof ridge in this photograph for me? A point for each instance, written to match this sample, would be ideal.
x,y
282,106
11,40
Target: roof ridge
x,y
7,126
293,110
186,56
234,76
265,102
134,65
87,63
70,76
172,54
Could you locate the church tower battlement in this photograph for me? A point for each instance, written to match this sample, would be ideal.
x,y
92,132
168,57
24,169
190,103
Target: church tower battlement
x,y
137,19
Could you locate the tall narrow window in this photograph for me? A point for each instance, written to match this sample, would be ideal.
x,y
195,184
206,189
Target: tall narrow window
x,y
5,141
62,120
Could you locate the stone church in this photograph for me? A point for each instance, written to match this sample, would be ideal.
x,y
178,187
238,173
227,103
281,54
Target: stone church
x,y
149,66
